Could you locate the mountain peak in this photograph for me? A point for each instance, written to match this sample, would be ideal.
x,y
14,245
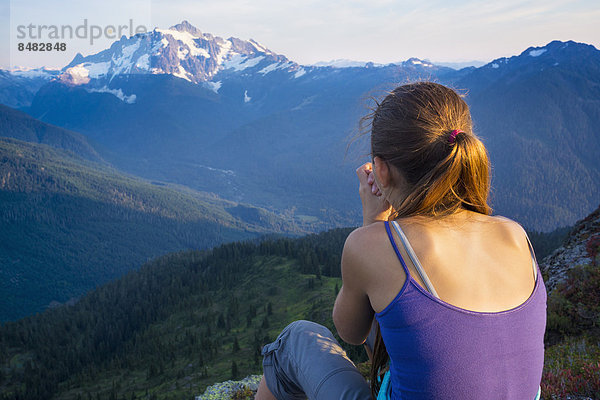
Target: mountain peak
x,y
556,48
413,61
181,50
185,26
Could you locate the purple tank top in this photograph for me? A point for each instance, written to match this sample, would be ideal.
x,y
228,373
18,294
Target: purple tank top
x,y
439,351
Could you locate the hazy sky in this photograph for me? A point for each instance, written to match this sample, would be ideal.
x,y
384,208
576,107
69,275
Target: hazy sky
x,y
310,31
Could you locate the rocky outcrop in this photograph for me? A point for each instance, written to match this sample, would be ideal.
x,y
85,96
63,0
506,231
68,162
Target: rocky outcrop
x,y
579,248
232,389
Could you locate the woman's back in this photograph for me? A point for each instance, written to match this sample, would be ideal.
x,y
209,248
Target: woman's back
x,y
474,261
485,332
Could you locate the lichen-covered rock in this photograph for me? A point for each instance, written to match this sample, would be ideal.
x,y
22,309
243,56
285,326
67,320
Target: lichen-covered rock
x,y
579,248
228,389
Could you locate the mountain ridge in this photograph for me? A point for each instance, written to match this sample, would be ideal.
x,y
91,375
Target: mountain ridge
x,y
70,224
19,125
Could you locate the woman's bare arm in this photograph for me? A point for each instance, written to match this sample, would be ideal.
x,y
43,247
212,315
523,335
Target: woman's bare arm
x,y
352,312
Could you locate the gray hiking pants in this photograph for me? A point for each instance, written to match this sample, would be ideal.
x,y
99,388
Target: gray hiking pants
x,y
306,361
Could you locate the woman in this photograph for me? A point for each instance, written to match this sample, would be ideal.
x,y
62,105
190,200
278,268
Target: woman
x,y
456,293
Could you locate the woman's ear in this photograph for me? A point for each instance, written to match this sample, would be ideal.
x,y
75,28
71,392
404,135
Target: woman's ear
x,y
382,172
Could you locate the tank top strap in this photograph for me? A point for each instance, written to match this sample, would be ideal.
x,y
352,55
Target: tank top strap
x,y
393,242
533,258
414,259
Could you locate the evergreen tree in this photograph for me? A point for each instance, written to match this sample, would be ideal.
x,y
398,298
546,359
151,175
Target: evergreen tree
x,y
234,370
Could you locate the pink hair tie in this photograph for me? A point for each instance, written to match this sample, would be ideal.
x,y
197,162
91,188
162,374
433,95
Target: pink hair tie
x,y
453,135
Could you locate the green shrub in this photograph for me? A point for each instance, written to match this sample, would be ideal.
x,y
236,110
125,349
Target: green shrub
x,y
572,368
574,305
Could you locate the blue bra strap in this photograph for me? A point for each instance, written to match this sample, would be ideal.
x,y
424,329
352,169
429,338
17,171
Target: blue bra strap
x,y
389,232
385,390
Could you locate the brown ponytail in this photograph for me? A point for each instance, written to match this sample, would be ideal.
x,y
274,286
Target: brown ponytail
x,y
411,131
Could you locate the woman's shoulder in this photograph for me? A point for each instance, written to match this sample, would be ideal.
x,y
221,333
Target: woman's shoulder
x,y
510,230
506,239
365,237
505,221
363,242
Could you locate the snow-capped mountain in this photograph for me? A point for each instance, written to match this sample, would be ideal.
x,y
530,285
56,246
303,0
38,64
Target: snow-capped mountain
x,y
19,86
185,52
182,50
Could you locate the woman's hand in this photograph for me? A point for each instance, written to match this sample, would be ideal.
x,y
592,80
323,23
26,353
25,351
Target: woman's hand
x,y
375,207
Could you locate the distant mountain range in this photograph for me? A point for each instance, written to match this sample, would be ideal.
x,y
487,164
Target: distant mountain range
x,y
233,117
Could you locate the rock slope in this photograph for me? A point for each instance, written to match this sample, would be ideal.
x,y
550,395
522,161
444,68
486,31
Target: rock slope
x,y
577,249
